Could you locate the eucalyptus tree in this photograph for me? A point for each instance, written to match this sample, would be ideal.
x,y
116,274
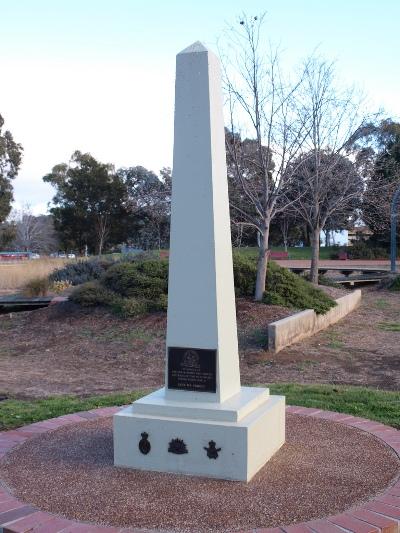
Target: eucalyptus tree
x,y
379,161
10,161
90,204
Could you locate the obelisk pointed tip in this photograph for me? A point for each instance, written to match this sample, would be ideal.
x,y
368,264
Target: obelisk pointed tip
x,y
195,48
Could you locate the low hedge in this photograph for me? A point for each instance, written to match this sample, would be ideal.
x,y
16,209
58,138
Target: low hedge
x,y
92,293
139,279
290,290
282,286
129,289
81,271
366,250
141,286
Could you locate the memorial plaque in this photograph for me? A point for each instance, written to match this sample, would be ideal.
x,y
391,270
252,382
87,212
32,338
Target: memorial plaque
x,y
192,369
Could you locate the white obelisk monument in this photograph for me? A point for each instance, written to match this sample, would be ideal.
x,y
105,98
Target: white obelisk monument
x,y
202,422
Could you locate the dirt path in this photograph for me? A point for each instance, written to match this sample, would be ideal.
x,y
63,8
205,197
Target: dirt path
x,y
66,350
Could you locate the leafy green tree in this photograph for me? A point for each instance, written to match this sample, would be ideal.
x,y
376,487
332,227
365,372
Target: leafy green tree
x,y
7,235
286,229
149,204
90,204
10,161
379,161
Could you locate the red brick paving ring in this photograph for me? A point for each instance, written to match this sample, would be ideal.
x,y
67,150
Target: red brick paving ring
x,y
69,473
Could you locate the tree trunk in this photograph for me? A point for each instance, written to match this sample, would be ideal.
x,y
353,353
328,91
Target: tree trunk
x,y
314,255
307,240
285,234
262,265
102,232
159,236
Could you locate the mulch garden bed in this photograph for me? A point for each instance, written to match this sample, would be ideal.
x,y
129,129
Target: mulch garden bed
x,y
65,349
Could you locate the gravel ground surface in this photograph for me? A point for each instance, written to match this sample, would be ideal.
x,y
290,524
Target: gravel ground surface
x,y
324,468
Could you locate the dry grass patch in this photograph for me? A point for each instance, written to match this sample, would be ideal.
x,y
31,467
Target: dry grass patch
x,y
14,276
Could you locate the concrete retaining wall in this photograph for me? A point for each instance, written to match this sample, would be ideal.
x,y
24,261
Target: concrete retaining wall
x,y
304,324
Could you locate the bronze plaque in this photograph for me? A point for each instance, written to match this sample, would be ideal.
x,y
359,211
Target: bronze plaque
x,y
192,369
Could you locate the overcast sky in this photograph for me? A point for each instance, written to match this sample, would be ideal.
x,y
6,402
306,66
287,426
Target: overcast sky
x,y
98,75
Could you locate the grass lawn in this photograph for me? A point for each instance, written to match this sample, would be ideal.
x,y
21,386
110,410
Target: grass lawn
x,y
294,253
369,403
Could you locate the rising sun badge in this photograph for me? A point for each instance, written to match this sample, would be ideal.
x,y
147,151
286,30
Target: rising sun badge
x,y
177,446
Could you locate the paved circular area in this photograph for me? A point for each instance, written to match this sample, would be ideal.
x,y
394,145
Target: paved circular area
x,y
324,468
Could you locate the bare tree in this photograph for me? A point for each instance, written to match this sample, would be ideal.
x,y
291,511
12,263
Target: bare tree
x,y
330,185
265,101
325,191
34,233
241,233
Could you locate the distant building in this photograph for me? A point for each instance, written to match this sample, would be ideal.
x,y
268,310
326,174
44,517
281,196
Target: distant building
x,y
358,232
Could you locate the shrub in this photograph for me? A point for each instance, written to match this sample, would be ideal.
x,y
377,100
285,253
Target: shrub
x,y
395,284
128,307
290,290
244,273
366,250
334,253
160,304
60,286
139,279
37,287
139,256
129,288
81,271
326,281
141,286
91,294
283,287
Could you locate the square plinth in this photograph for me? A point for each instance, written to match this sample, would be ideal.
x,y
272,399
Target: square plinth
x,y
232,440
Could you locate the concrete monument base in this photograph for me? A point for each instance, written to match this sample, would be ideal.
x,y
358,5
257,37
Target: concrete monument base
x,y
227,440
